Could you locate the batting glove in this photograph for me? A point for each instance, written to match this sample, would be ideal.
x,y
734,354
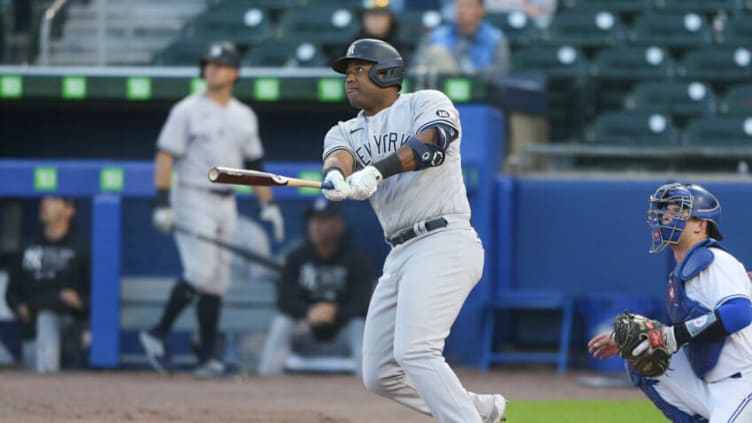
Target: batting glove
x,y
341,189
163,219
271,213
364,182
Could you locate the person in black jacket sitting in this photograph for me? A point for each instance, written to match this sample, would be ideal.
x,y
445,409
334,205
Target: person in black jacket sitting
x,y
323,293
48,286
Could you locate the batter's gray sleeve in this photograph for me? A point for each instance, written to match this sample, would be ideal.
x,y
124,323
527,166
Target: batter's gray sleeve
x,y
335,140
253,149
431,107
174,135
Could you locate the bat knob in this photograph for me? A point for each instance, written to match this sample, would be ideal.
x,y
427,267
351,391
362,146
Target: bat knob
x,y
327,185
213,174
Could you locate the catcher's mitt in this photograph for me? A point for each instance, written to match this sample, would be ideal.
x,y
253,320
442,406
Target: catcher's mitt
x,y
630,331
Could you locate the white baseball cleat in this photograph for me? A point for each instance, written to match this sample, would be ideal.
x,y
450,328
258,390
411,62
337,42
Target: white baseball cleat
x,y
500,408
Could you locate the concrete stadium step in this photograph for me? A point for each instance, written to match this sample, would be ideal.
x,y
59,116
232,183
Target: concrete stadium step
x,y
112,43
126,24
90,58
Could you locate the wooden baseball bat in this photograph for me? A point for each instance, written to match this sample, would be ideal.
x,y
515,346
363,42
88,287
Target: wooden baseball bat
x,y
227,175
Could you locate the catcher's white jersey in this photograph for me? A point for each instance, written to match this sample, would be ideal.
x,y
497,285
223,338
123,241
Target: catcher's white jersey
x,y
723,280
433,192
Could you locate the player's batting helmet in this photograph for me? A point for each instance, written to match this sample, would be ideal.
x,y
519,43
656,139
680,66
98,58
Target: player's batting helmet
x,y
385,58
223,53
692,201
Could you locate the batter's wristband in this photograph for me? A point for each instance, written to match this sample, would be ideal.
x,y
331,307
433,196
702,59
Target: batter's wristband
x,y
389,165
163,197
331,168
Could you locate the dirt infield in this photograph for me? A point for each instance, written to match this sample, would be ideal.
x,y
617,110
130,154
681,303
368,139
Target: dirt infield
x,y
147,397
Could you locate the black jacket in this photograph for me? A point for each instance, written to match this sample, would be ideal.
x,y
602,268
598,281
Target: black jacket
x,y
43,268
344,279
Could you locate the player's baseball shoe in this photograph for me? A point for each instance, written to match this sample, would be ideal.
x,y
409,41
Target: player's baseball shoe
x,y
500,408
212,369
156,352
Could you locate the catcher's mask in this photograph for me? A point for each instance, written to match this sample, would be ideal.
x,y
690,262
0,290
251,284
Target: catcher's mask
x,y
670,207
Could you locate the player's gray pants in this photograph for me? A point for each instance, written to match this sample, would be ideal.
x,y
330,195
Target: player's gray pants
x,y
286,334
205,266
424,284
48,342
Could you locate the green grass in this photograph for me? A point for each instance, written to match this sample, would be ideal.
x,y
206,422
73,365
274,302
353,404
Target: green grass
x,y
641,411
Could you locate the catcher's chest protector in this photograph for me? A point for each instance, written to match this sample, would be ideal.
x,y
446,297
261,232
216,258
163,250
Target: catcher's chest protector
x,y
702,355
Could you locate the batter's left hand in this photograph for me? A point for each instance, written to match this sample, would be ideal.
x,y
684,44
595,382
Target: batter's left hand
x,y
271,213
364,182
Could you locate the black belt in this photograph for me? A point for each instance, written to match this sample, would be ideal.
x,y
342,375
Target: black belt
x,y
409,233
221,192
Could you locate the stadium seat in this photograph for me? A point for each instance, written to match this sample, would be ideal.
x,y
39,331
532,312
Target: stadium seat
x,y
585,29
722,66
415,24
738,101
617,6
322,25
672,30
737,31
517,27
698,6
566,71
637,129
616,70
182,52
281,53
244,26
675,98
720,131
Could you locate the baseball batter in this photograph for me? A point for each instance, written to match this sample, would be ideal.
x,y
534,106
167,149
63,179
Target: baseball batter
x,y
402,151
203,130
709,304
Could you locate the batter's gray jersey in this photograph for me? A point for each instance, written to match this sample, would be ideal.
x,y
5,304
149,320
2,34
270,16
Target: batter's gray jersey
x,y
409,197
201,133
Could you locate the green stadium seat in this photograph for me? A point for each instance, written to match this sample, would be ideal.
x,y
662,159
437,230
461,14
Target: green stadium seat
x,y
698,6
517,27
244,26
737,31
285,53
322,25
585,29
262,4
566,70
674,98
415,24
182,52
616,70
720,131
638,129
738,101
722,66
672,30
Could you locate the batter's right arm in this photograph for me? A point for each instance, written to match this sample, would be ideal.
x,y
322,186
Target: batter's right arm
x,y
337,166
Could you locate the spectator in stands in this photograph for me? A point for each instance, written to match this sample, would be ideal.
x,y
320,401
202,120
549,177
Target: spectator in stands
x,y
540,11
378,21
470,45
322,296
48,288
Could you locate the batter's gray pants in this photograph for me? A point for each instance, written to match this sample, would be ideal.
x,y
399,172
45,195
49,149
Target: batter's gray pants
x,y
417,299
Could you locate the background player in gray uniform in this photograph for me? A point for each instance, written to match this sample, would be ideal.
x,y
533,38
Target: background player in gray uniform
x,y
203,130
402,151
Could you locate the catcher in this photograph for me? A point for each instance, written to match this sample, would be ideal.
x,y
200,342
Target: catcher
x,y
699,367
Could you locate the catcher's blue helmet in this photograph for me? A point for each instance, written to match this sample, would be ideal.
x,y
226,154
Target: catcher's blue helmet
x,y
691,200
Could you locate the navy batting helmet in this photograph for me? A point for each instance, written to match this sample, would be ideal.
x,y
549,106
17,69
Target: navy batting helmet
x,y
692,201
223,53
385,58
